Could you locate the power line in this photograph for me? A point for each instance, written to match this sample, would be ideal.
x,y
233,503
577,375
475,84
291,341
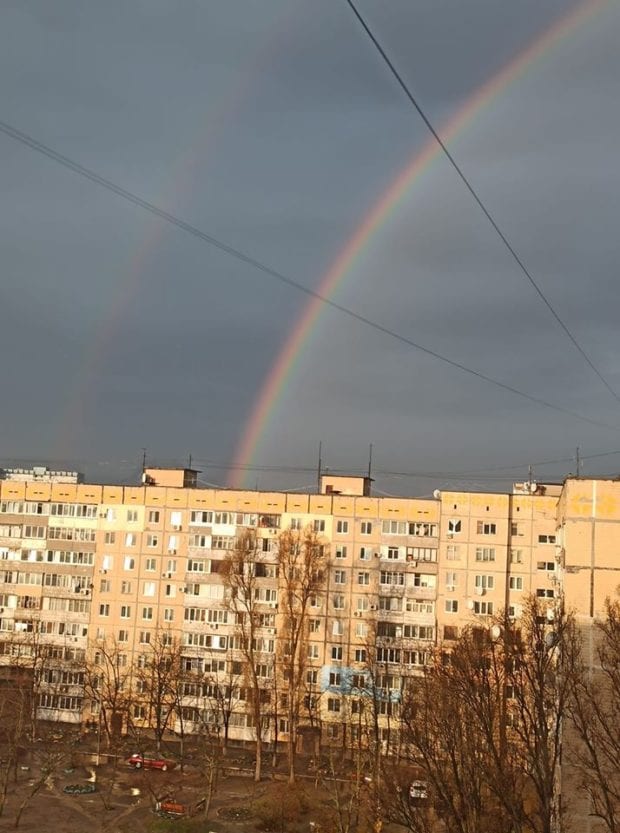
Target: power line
x,y
478,199
194,231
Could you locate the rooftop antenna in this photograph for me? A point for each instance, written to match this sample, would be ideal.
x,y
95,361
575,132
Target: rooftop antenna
x,y
319,469
143,460
370,461
529,474
578,461
189,461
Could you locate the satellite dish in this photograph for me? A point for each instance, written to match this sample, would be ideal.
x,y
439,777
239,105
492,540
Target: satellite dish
x,y
550,639
436,494
470,604
496,632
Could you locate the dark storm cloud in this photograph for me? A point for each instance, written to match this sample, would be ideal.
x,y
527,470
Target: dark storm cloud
x,y
275,127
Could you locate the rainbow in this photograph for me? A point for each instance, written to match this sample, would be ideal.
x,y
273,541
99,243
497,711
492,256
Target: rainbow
x,y
274,386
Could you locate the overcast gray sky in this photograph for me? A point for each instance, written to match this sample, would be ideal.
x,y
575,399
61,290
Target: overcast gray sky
x,y
275,127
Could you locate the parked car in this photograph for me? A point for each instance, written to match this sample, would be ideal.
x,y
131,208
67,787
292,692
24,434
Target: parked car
x,y
418,791
138,761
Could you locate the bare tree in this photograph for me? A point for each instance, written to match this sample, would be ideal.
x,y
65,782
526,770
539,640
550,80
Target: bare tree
x,y
246,597
157,681
302,564
107,684
595,719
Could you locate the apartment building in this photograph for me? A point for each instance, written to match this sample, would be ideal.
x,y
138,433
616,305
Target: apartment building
x,y
85,565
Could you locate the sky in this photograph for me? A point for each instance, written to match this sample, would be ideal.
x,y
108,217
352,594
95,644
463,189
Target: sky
x,y
275,127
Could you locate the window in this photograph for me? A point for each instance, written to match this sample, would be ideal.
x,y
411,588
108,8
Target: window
x,y
123,636
333,704
173,543
130,539
105,585
171,590
516,556
340,577
106,562
313,651
338,601
483,608
296,523
176,519
362,603
366,528
516,528
129,563
319,526
110,537
452,581
132,516
450,632
152,540
312,676
365,553
454,526
104,610
145,637
154,516
335,678
337,652
424,580
388,578
337,627
516,582
125,587
342,527
147,612
452,606
150,565
171,566
168,614
485,553
546,539
545,593
341,551
484,582
149,588
360,655
453,552
393,553
125,611
548,566
314,625
363,578
361,629
484,528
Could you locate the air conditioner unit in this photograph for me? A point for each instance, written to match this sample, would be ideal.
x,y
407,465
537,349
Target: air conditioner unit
x,y
182,589
373,607
271,630
177,527
172,552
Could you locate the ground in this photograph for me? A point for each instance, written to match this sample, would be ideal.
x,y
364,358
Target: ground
x,y
125,799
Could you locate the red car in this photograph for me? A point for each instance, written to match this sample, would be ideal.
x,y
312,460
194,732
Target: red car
x,y
138,761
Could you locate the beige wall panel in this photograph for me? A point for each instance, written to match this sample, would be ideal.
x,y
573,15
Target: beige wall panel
x,y
113,494
88,493
297,504
320,505
64,492
38,491
155,496
134,494
12,490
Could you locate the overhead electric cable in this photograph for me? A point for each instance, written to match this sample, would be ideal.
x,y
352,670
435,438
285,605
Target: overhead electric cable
x,y
129,196
405,88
